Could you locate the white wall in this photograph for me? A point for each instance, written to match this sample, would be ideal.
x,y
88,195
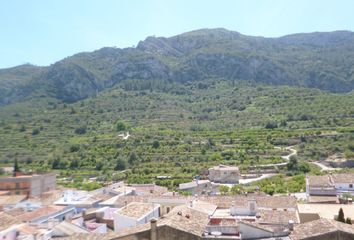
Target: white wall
x,y
250,232
101,229
9,234
343,187
149,216
121,222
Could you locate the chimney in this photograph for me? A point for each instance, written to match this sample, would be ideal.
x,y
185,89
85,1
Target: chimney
x,y
233,209
83,212
291,225
99,215
153,230
252,206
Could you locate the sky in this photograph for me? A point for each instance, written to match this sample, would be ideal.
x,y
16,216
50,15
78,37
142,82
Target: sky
x,y
42,32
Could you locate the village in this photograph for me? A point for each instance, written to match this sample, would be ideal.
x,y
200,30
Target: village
x,y
34,207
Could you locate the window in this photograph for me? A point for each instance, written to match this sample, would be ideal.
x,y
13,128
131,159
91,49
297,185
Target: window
x,y
351,185
17,185
168,209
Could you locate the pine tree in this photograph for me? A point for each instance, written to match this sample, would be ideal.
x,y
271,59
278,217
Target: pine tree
x,y
348,220
340,217
16,167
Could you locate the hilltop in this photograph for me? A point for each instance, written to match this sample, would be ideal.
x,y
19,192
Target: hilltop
x,y
320,60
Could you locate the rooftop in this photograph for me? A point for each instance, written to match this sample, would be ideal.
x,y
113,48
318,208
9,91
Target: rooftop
x,y
343,178
319,228
277,216
136,209
186,219
11,199
270,202
69,228
7,221
327,210
204,207
323,181
40,212
331,179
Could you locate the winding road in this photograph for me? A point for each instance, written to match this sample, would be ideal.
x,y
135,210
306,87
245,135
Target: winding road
x,y
293,152
324,167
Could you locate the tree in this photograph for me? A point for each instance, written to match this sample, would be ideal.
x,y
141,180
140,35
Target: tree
x,y
16,167
120,165
81,130
56,163
99,165
156,144
293,164
121,126
74,164
340,217
224,189
132,158
35,131
271,125
236,189
348,220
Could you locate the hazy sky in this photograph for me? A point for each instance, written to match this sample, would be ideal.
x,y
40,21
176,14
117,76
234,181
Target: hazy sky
x,y
44,31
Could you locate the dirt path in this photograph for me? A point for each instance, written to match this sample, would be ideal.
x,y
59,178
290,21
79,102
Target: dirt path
x,y
324,167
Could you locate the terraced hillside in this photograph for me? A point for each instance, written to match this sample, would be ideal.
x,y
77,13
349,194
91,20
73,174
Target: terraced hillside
x,y
176,129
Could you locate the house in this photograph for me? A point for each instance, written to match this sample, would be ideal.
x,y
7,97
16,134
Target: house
x,y
182,223
101,215
224,174
30,185
135,214
343,182
325,189
80,199
213,217
253,218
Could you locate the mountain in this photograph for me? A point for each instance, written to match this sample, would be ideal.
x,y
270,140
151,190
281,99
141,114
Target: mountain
x,y
316,60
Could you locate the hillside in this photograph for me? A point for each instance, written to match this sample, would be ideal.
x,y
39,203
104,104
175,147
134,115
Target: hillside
x,y
176,129
317,60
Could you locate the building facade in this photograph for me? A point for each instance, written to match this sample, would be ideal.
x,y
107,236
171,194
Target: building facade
x,y
224,174
31,185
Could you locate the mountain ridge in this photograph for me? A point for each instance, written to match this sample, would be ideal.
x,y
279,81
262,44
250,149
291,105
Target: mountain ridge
x,y
322,60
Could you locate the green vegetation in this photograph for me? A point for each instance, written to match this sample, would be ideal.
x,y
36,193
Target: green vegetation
x,y
340,217
178,130
317,60
282,184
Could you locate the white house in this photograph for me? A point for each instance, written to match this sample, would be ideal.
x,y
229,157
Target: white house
x,y
343,182
135,213
224,174
326,188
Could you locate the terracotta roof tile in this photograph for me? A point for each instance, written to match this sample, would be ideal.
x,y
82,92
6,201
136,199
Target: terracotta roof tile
x,y
319,228
40,212
7,221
